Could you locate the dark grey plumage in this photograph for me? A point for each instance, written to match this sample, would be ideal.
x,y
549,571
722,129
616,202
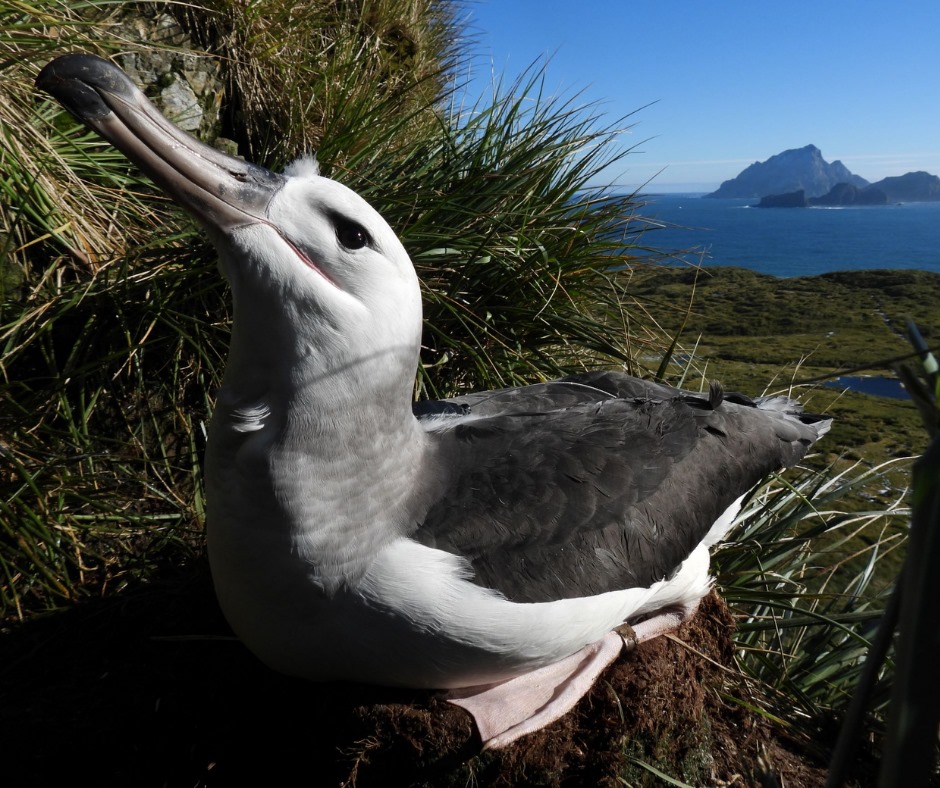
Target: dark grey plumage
x,y
599,481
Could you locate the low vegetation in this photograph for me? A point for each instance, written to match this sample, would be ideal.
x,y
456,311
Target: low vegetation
x,y
755,332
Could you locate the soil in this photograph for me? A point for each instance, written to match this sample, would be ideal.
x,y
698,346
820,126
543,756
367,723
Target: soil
x,y
151,689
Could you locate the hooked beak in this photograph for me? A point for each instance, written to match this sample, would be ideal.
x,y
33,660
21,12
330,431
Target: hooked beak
x,y
220,191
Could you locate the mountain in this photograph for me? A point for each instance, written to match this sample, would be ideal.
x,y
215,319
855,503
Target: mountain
x,y
911,187
791,171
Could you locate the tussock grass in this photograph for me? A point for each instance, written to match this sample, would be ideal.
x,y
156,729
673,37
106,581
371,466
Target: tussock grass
x,y
808,582
523,267
90,487
343,79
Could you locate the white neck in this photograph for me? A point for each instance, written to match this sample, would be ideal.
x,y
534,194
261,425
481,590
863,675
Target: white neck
x,y
314,444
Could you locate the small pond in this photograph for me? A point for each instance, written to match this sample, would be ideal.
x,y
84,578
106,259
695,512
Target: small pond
x,y
879,385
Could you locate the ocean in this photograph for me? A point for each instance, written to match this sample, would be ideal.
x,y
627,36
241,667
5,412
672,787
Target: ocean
x,y
795,241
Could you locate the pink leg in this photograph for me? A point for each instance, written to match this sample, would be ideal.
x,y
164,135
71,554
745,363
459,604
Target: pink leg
x,y
509,709
662,623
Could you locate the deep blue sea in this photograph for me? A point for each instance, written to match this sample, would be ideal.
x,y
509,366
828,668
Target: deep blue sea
x,y
796,241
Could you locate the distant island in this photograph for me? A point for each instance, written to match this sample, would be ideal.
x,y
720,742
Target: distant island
x,y
799,169
840,194
801,178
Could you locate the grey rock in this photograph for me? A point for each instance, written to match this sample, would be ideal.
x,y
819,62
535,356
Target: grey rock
x,y
180,105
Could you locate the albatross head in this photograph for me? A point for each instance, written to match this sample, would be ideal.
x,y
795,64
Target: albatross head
x,y
324,292
323,277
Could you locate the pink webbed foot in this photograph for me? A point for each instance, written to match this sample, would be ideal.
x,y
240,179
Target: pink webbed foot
x,y
509,709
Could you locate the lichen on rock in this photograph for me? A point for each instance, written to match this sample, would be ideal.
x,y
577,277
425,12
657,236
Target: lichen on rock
x,y
185,84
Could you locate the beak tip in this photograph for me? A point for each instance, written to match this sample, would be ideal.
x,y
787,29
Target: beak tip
x,y
218,190
78,80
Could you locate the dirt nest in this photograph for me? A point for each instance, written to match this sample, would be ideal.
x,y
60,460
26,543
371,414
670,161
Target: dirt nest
x,y
149,689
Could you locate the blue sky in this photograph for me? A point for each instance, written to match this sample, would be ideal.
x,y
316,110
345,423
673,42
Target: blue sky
x,y
732,82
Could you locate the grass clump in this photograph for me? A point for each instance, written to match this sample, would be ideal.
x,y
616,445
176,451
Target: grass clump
x,y
342,79
517,258
90,489
808,582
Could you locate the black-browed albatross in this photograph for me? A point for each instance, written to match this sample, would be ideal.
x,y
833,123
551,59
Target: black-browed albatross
x,y
503,545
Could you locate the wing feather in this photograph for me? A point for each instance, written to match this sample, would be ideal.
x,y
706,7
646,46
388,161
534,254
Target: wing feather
x,y
595,483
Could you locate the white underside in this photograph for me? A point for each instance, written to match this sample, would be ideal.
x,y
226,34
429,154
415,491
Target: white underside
x,y
415,619
429,587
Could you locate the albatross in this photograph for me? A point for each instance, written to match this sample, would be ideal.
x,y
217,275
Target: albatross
x,y
504,546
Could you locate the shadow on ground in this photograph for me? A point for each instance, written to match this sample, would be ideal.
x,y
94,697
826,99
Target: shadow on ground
x,y
149,689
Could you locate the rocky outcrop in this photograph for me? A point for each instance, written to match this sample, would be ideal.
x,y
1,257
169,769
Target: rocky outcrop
x,y
800,169
846,194
911,187
185,84
842,194
795,199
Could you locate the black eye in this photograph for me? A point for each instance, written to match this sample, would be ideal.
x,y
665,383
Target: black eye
x,y
351,235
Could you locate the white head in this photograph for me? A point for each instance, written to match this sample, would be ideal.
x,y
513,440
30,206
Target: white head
x,y
324,291
325,295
